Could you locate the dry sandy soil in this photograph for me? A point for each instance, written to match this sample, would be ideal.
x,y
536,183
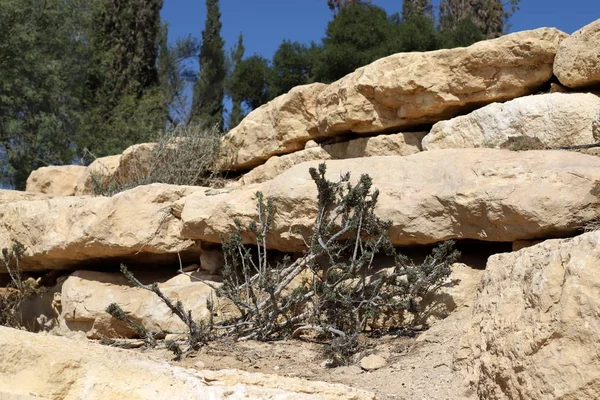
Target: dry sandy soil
x,y
417,368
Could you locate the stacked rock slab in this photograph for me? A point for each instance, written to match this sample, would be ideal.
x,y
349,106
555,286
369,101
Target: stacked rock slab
x,y
534,329
482,194
577,63
86,294
57,180
65,232
50,367
557,119
401,91
399,144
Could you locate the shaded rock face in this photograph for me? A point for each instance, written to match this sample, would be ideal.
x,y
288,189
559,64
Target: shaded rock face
x,y
557,119
401,91
281,126
399,144
86,294
534,329
577,61
58,181
66,232
482,194
50,367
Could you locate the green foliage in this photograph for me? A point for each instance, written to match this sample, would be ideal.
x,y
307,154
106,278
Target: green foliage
x,y
359,34
250,80
489,16
463,33
237,113
418,33
335,288
117,312
125,105
292,66
417,8
174,75
40,88
209,90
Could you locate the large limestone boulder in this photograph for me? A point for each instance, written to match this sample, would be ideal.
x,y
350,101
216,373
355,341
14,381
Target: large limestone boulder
x,y
281,126
399,144
51,367
534,329
412,89
482,194
65,232
557,119
55,180
401,91
86,294
577,61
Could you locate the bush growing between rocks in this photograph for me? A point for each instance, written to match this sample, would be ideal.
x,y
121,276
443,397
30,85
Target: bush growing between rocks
x,y
184,155
18,290
334,290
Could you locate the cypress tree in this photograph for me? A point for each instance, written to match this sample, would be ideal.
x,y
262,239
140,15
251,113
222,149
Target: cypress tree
x,y
209,90
416,8
126,104
236,114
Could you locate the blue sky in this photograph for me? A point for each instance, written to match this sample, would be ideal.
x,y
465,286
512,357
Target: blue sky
x,y
265,23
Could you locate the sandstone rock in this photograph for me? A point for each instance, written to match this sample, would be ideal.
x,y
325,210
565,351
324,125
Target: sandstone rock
x,y
62,233
410,89
281,126
322,390
400,144
58,181
10,196
372,362
50,367
278,164
98,174
482,194
577,61
86,294
400,91
310,144
534,329
557,119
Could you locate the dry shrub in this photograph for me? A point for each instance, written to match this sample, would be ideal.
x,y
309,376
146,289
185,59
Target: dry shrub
x,y
523,143
183,155
17,291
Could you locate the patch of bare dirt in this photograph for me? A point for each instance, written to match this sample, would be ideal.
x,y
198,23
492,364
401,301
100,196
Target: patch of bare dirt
x,y
417,368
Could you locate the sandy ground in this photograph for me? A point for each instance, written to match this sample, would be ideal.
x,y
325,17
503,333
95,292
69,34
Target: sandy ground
x,y
417,368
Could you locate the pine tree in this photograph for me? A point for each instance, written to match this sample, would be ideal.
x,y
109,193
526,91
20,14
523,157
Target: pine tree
x,y
209,90
237,114
416,8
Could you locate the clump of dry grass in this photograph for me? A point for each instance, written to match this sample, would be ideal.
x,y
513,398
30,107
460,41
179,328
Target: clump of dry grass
x,y
523,143
182,155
